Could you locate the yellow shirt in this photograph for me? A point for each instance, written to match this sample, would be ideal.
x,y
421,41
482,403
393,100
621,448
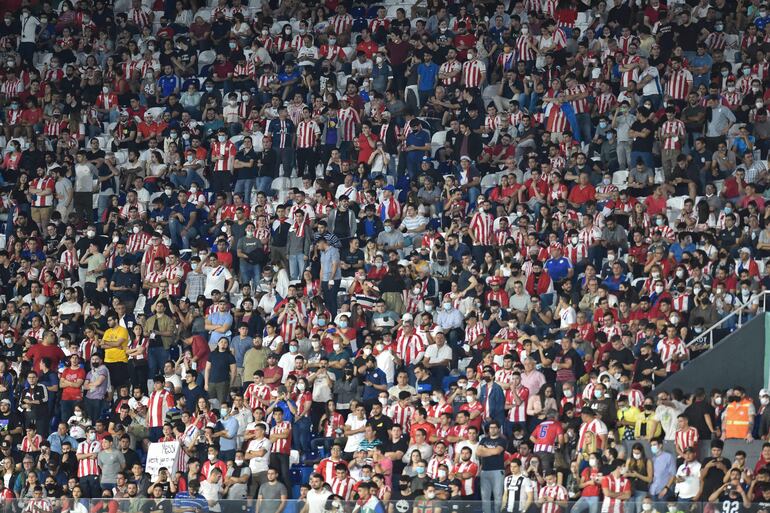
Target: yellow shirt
x,y
116,354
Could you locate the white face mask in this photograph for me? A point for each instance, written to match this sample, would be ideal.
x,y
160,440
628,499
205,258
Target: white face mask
x,y
367,351
764,400
567,393
524,31
647,507
470,398
91,234
301,387
336,347
610,257
239,462
658,289
212,458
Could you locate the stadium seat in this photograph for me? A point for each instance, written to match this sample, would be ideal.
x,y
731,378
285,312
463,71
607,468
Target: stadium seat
x,y
412,95
206,58
204,13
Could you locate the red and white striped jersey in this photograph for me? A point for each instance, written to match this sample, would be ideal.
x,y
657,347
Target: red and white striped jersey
x,y
579,106
226,151
435,461
172,272
482,228
616,485
142,343
44,183
137,242
326,467
87,348
401,415
635,397
12,88
410,347
281,445
473,73
436,410
158,405
506,61
556,121
246,70
549,8
576,253
448,67
672,134
474,332
154,278
679,84
341,24
53,75
525,48
140,17
716,41
589,236
517,413
632,74
349,119
605,102
88,466
389,209
307,133
331,52
256,393
343,487
13,117
31,445
668,349
681,303
467,485
686,438
53,127
378,23
556,492
597,427
36,333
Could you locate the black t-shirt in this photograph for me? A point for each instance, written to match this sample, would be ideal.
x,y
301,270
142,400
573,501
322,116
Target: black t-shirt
x,y
688,36
643,144
495,462
623,357
351,259
696,414
246,173
381,426
714,476
390,446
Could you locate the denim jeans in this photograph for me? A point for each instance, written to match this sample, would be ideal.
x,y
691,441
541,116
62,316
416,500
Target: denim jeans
x,y
586,503
250,273
94,408
492,484
296,266
67,408
645,156
244,187
180,239
156,359
301,435
264,184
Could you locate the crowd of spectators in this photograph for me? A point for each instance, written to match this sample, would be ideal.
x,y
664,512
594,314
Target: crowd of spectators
x,y
380,256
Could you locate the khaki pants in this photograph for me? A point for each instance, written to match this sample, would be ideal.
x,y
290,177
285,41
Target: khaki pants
x,y
41,215
668,157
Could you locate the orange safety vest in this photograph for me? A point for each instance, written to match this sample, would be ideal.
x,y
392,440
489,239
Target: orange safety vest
x,y
737,419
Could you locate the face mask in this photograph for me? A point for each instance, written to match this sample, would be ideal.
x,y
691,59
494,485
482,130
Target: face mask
x,y
593,462
654,449
209,88
78,414
471,56
336,347
90,234
725,73
524,31
293,349
598,394
759,105
728,210
637,455
343,324
610,257
168,192
606,181
680,273
301,387
718,400
222,138
332,41
672,509
429,495
223,412
367,351
239,462
602,124
658,289
383,401
567,393
212,458
388,229
91,437
105,90
322,322
469,398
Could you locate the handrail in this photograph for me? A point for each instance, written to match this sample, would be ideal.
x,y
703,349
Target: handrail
x,y
709,333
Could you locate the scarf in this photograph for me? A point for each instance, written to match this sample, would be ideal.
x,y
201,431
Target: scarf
x,y
298,229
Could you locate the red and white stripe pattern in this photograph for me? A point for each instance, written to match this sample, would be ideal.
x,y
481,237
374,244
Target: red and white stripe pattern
x,y
482,227
140,17
343,487
281,445
525,48
173,272
88,466
686,438
668,349
307,133
226,151
616,485
401,415
605,102
31,445
679,84
44,183
349,119
632,74
158,405
473,73
474,332
672,133
137,242
556,492
435,462
579,106
465,467
341,23
517,413
256,395
409,347
448,67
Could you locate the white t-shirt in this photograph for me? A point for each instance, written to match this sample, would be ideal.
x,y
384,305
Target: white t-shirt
x,y
215,279
354,440
316,500
259,464
213,493
84,178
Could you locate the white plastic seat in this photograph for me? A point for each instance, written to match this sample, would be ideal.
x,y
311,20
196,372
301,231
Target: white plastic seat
x,y
676,203
489,181
413,89
620,178
205,13
206,58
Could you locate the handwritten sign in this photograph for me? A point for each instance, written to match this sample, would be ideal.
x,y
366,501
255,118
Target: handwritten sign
x,y
162,455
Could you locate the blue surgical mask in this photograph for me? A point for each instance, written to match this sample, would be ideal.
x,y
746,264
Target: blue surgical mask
x,y
728,210
322,322
419,470
343,324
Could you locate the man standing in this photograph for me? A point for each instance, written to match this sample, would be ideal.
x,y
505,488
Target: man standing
x,y
490,451
220,372
272,495
331,274
114,342
96,384
88,469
